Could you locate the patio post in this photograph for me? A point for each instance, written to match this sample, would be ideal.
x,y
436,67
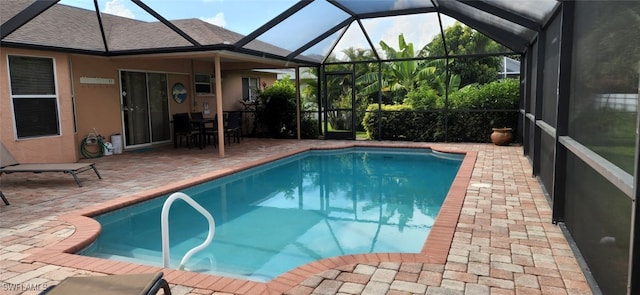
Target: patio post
x,y
219,114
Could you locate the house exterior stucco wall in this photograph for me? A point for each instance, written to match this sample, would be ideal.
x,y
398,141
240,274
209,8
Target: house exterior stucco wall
x,y
232,87
98,106
55,148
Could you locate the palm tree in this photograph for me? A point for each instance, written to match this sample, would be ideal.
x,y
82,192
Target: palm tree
x,y
406,73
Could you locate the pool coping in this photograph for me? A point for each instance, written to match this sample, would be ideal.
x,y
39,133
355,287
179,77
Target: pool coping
x,y
434,251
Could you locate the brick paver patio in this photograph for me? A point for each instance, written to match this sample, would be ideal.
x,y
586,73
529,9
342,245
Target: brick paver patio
x,y
503,242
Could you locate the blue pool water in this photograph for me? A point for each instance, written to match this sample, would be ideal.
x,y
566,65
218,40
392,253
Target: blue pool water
x,y
275,217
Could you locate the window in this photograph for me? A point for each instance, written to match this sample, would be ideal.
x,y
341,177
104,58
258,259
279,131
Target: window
x,y
203,84
33,93
249,89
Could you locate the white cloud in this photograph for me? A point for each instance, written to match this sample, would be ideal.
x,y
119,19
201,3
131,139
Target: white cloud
x,y
118,8
353,37
419,29
217,20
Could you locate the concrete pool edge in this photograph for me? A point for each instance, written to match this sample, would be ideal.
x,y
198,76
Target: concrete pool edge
x,y
435,249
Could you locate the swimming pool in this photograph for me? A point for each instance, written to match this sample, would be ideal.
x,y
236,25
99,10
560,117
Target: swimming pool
x,y
318,204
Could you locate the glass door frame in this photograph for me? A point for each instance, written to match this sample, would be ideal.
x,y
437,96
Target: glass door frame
x,y
123,109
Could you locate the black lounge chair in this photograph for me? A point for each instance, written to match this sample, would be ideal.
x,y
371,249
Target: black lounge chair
x,y
135,284
8,164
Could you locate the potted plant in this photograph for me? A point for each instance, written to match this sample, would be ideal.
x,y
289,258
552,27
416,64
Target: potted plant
x,y
502,136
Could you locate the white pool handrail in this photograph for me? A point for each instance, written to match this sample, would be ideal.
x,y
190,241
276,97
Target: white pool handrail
x,y
164,223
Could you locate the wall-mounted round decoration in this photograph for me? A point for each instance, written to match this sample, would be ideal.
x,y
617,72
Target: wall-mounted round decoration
x,y
179,92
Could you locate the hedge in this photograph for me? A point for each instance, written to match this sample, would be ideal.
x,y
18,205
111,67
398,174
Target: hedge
x,y
471,114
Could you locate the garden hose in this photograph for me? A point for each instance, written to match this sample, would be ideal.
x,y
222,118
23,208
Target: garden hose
x,y
92,154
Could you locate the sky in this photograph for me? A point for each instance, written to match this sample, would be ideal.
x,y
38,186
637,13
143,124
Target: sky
x,y
244,16
241,16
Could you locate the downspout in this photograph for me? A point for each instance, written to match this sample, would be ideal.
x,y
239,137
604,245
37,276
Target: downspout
x,y
219,113
73,108
73,95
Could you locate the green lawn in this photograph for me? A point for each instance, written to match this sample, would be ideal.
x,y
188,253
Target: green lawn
x,y
621,156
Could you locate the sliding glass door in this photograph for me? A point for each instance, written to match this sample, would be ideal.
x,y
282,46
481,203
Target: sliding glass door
x,y
145,108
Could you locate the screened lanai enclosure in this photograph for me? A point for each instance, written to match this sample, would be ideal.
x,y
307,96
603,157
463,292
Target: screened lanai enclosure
x,y
564,75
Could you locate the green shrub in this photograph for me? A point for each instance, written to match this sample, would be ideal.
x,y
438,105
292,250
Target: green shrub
x,y
401,122
472,112
476,109
422,98
309,128
278,111
501,94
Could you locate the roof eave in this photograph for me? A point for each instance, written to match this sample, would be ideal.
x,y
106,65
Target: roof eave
x,y
221,48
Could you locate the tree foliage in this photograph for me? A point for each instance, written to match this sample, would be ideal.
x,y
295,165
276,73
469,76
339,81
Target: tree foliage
x,y
401,77
278,111
410,80
607,44
462,40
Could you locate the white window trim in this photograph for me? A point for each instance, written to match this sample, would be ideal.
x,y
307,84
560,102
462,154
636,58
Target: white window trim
x,y
252,96
56,96
211,87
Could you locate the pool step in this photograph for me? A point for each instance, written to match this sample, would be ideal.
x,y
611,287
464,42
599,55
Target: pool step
x,y
127,253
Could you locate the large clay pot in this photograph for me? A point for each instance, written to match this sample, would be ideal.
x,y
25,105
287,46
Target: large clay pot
x,y
501,136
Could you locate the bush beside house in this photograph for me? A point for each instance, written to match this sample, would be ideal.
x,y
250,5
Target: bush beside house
x,y
277,112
